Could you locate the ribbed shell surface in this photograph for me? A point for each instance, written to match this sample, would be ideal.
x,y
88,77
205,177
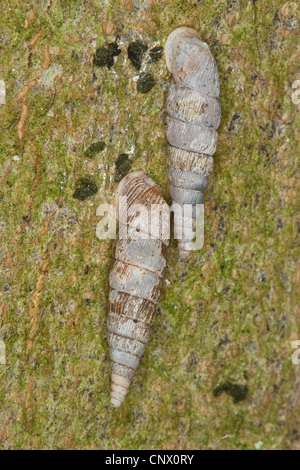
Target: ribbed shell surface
x,y
194,115
135,283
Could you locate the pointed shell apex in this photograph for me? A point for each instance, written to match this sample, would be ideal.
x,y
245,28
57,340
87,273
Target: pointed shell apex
x,y
116,403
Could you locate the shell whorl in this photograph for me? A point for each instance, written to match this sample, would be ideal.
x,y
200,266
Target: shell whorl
x,y
135,283
194,116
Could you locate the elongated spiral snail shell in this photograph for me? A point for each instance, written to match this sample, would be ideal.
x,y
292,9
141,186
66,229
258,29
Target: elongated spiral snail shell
x,y
135,278
193,116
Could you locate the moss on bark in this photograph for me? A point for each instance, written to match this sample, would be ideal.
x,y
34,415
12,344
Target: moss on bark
x,y
228,315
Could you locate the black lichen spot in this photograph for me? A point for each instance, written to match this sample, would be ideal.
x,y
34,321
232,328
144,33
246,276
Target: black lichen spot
x,y
135,52
114,49
85,188
156,53
94,149
103,58
145,82
123,165
236,391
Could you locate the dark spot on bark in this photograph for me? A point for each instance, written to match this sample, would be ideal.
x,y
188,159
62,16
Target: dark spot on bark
x,y
123,165
233,5
264,150
285,280
114,49
156,53
263,277
145,83
29,59
256,200
236,391
194,360
74,55
93,149
295,435
221,229
94,78
85,188
103,58
224,342
135,52
217,21
234,122
279,224
226,290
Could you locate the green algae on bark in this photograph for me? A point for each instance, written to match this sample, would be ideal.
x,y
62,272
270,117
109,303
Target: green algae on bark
x,y
231,310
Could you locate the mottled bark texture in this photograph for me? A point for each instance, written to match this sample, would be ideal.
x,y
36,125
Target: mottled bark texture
x,y
218,372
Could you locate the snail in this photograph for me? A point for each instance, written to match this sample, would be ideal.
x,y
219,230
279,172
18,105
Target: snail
x,y
136,275
193,117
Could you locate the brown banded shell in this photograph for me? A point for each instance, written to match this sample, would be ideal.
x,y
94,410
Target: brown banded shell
x,y
135,280
194,115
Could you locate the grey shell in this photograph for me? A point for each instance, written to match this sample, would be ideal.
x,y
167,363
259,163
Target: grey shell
x,y
194,116
135,284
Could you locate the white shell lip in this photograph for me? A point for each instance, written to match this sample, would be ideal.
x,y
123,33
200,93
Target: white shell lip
x,y
173,41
